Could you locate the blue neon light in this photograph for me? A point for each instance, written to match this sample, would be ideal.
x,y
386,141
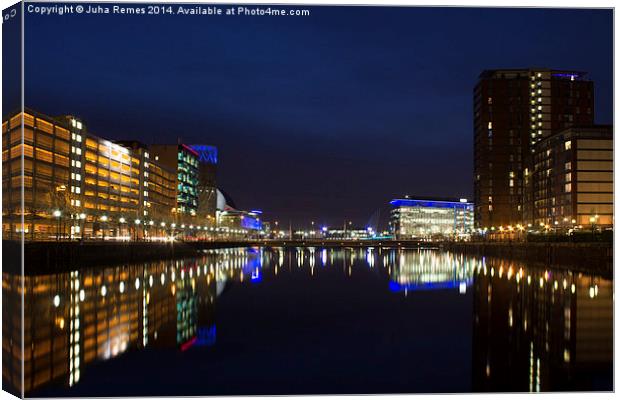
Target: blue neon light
x,y
562,75
251,223
430,203
422,286
206,154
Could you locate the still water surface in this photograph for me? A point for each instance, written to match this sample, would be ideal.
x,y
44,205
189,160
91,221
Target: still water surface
x,y
310,320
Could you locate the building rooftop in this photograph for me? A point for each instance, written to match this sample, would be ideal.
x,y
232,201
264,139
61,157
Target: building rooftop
x,y
429,201
579,131
428,198
516,72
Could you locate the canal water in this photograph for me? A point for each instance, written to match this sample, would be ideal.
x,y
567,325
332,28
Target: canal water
x,y
310,320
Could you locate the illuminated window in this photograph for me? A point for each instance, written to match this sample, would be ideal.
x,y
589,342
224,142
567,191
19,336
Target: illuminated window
x,y
44,126
567,188
91,143
567,145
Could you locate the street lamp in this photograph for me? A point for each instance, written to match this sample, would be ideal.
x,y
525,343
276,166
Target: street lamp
x,y
121,221
83,219
593,222
136,223
57,214
104,219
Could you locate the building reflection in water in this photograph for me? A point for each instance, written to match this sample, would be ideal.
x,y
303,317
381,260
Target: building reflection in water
x,y
430,270
533,330
541,330
77,317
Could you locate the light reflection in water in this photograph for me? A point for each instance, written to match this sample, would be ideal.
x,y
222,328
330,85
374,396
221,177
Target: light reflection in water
x,y
524,329
539,335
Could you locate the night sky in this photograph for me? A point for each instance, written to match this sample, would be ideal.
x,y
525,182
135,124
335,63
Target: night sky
x,y
318,118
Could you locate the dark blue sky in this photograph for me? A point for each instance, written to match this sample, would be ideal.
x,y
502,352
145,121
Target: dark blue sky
x,y
323,117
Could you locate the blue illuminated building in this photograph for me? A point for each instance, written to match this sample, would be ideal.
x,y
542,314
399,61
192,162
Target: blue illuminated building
x,y
206,154
207,183
238,223
431,218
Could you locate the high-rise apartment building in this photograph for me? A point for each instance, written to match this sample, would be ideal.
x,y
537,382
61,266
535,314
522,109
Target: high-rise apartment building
x,y
513,110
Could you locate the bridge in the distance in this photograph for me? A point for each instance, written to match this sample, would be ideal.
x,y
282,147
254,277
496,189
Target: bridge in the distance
x,y
389,243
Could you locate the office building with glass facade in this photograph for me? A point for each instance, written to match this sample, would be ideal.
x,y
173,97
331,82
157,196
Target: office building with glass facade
x,y
159,199
207,184
237,223
184,160
428,219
